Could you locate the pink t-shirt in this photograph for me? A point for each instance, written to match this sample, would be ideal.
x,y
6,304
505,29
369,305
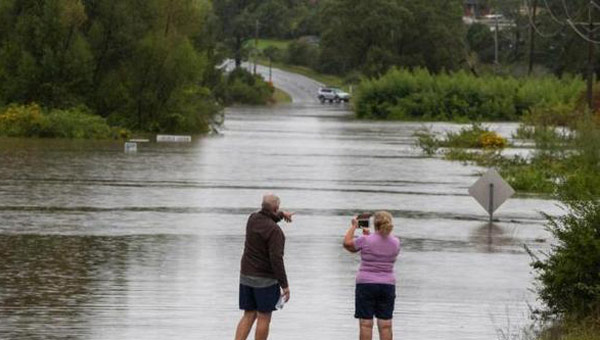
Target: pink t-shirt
x,y
378,254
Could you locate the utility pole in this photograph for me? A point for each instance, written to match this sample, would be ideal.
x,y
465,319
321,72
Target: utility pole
x,y
270,71
590,68
532,37
496,61
255,45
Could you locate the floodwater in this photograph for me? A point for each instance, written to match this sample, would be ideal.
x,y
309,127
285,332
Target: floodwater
x,y
99,244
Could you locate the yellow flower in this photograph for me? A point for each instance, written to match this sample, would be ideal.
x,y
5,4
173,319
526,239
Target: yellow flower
x,y
492,140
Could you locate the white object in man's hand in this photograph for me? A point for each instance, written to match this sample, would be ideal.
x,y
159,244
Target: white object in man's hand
x,y
285,294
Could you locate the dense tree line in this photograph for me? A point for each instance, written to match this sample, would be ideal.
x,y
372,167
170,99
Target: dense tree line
x,y
371,36
368,36
142,64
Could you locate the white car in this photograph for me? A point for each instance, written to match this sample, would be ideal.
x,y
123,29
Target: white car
x,y
332,94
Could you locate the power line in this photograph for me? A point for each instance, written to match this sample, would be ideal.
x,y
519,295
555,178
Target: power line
x,y
581,34
552,14
581,10
535,28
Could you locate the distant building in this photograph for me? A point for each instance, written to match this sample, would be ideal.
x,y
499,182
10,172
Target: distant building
x,y
475,8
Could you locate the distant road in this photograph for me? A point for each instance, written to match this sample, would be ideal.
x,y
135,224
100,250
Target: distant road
x,y
302,89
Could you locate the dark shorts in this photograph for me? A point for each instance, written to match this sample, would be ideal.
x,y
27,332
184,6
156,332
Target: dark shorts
x,y
374,299
259,299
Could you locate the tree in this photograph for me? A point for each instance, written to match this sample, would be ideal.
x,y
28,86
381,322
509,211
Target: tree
x,y
364,35
44,56
237,23
142,64
372,36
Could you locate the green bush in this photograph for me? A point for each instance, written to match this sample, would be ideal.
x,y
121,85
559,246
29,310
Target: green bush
x,y
242,87
582,178
22,121
572,330
75,123
421,95
569,276
31,121
475,136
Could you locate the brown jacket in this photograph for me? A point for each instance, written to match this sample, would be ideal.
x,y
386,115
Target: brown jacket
x,y
263,249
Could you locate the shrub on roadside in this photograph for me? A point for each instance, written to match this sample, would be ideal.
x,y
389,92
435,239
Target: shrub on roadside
x,y
242,87
31,121
569,276
75,123
421,95
22,121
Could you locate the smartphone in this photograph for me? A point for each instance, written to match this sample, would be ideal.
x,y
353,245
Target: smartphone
x,y
363,220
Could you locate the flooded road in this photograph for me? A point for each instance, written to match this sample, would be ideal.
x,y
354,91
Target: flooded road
x,y
98,244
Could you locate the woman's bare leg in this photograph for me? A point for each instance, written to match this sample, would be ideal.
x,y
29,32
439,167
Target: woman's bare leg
x,y
385,329
366,329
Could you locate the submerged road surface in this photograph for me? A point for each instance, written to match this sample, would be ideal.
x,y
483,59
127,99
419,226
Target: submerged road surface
x,y
98,244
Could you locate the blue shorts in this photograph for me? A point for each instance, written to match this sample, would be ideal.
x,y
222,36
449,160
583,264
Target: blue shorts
x,y
259,299
374,299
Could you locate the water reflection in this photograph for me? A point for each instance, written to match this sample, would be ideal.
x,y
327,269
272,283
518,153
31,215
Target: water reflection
x,y
492,237
47,282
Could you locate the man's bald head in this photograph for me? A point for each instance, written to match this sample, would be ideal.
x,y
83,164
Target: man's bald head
x,y
270,202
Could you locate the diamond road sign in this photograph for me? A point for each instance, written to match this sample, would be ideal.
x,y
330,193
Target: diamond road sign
x,y
491,190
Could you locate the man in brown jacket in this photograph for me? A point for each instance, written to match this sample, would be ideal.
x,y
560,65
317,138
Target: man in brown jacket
x,y
262,273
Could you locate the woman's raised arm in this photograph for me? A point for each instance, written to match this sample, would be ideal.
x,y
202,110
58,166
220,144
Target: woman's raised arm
x,y
349,237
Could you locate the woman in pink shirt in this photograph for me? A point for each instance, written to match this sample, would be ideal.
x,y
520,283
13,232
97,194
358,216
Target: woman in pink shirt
x,y
375,281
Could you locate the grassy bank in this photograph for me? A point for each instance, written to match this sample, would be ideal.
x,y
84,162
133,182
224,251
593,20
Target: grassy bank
x,y
281,97
266,43
583,330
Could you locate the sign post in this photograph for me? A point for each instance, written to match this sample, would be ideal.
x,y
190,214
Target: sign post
x,y
130,147
491,191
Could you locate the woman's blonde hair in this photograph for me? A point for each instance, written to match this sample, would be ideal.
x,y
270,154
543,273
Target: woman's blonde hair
x,y
383,222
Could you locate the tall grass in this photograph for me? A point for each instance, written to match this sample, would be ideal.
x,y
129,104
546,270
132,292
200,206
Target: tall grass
x,y
420,95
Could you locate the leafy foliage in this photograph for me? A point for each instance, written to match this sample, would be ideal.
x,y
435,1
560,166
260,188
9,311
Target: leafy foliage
x,y
141,64
242,87
30,121
374,35
421,95
570,276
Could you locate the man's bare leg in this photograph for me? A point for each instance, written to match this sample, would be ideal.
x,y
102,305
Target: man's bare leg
x,y
385,329
245,325
366,329
262,326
